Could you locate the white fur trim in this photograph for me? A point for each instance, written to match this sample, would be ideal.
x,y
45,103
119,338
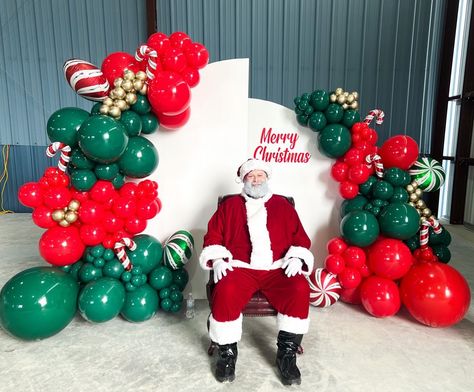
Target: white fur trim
x,y
213,252
303,254
292,324
261,257
253,164
225,332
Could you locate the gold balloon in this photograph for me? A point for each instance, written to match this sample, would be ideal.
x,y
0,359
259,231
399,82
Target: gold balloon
x,y
422,219
115,112
113,94
64,223
129,75
339,91
413,197
74,205
345,106
350,98
144,90
419,192
140,75
341,99
410,188
104,109
119,93
411,203
57,215
131,98
71,216
138,84
127,85
414,184
118,82
333,97
420,204
355,94
346,93
426,212
121,104
354,105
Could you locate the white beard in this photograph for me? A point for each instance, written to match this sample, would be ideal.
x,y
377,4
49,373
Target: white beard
x,y
256,191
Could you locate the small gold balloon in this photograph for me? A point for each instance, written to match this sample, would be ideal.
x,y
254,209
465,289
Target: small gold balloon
x,y
355,94
115,112
131,98
354,105
74,205
420,204
113,94
108,101
121,104
64,223
144,90
339,91
119,93
341,99
127,85
71,216
350,98
104,109
345,106
413,197
138,84
140,75
129,75
333,97
410,188
432,217
426,212
422,219
418,192
414,184
411,203
118,82
57,215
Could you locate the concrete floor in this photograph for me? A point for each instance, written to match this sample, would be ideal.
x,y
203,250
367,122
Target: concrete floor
x,y
346,349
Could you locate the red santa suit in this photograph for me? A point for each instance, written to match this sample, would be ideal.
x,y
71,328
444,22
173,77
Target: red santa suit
x,y
256,236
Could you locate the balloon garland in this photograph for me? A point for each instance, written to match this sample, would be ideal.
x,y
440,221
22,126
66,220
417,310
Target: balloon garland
x,y
392,248
93,217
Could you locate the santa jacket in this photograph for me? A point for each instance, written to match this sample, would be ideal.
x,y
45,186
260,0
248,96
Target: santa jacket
x,y
256,233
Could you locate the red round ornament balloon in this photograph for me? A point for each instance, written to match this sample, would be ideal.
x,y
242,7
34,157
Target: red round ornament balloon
x,y
324,288
389,258
380,296
61,246
399,151
168,94
435,294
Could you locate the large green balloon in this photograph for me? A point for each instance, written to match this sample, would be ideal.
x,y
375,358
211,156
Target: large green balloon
x,y
399,195
149,123
399,220
334,113
160,277
141,304
443,238
397,176
139,159
356,204
148,253
366,187
334,140
113,268
319,100
350,117
38,303
360,228
103,139
382,190
132,122
83,179
64,123
101,300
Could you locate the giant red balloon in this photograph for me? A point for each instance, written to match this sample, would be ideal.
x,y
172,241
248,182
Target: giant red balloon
x,y
380,296
399,151
115,63
389,258
30,194
435,294
61,246
168,94
174,122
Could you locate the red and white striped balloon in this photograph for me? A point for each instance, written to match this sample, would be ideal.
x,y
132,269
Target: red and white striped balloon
x,y
324,288
86,79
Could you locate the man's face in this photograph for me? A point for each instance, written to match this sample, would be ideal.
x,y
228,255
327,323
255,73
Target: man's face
x,y
256,177
255,184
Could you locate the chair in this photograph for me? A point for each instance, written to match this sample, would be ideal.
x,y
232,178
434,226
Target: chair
x,y
258,306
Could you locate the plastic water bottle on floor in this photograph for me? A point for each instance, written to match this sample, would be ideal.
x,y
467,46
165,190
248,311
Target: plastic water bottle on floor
x,y
190,306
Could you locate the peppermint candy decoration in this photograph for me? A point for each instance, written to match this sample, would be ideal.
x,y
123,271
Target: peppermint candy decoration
x,y
178,249
428,174
324,288
86,80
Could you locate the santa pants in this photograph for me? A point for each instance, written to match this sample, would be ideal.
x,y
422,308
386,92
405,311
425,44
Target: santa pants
x,y
289,296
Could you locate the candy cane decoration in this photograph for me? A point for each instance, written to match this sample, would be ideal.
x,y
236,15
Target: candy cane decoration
x,y
143,52
378,114
65,154
425,229
119,249
377,161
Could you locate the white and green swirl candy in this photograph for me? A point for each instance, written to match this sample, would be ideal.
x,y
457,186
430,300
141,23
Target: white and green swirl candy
x,y
428,174
178,249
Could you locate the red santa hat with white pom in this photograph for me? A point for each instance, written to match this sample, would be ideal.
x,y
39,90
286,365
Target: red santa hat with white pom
x,y
253,164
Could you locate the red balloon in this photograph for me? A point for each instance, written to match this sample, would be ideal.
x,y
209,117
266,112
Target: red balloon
x,y
380,296
174,122
168,94
128,190
354,257
174,60
358,127
399,151
339,171
365,271
359,173
103,191
372,136
353,157
349,278
191,76
197,55
180,40
348,190
124,207
112,223
159,41
91,211
334,264
135,225
92,234
147,191
56,177
389,258
115,63
61,246
79,195
109,242
146,209
42,217
351,296
336,245
30,194
435,294
56,198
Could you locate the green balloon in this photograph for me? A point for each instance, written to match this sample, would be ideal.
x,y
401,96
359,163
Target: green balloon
x,y
160,277
334,113
79,160
302,119
397,176
399,220
83,179
89,272
366,187
317,121
319,100
180,278
148,253
334,140
443,238
75,269
113,269
38,303
165,292
132,122
304,103
413,242
103,139
350,117
64,124
118,181
360,228
101,300
400,195
106,172
141,304
382,190
96,108
142,106
356,204
443,253
149,123
139,159
166,304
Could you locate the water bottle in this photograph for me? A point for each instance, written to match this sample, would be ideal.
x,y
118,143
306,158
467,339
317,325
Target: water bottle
x,y
190,306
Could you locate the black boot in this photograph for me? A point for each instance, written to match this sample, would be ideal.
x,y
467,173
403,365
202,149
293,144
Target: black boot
x,y
225,367
288,344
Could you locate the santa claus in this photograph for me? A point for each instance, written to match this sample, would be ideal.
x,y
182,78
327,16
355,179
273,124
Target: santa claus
x,y
255,241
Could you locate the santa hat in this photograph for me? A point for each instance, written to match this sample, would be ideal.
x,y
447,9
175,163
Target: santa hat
x,y
253,164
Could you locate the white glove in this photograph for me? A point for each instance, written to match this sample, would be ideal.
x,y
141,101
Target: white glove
x,y
292,266
220,268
